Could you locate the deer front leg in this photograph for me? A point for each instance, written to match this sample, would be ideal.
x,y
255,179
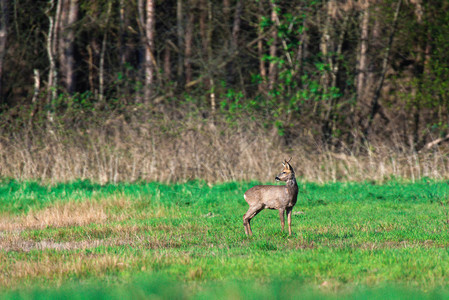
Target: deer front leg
x,y
281,216
289,220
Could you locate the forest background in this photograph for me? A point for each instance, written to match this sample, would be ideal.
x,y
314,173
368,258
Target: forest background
x,y
117,90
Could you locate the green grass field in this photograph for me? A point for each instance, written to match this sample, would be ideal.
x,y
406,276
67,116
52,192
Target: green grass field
x,y
354,240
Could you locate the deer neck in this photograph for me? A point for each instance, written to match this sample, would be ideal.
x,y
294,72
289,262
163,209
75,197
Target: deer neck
x,y
292,186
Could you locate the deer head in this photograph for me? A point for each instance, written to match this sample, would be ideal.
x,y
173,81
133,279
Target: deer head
x,y
287,173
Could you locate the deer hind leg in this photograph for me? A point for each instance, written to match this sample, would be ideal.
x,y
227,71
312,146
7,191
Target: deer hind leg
x,y
245,224
281,216
251,213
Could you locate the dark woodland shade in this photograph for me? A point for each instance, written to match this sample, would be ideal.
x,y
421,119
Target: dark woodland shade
x,y
344,70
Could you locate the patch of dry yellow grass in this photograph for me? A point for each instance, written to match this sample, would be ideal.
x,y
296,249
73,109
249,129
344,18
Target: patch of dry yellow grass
x,y
81,213
58,215
51,267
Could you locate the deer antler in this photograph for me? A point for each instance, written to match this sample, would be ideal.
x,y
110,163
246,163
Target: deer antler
x,y
286,161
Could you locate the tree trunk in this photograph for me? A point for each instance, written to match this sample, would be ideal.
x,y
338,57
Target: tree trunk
x,y
150,63
300,54
226,12
234,42
202,23
123,35
180,33
188,44
273,48
4,13
262,87
374,107
66,39
167,63
363,59
51,52
211,85
70,53
102,53
124,47
325,46
226,21
330,118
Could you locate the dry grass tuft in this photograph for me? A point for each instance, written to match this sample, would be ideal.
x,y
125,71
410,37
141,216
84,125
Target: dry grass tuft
x,y
16,243
170,150
59,215
73,213
52,266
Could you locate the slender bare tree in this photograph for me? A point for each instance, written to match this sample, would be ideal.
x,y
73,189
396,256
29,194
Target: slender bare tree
x,y
272,72
180,41
103,53
362,61
150,62
261,52
4,21
51,52
189,44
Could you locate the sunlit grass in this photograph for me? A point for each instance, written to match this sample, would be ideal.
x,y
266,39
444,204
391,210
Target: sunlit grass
x,y
345,236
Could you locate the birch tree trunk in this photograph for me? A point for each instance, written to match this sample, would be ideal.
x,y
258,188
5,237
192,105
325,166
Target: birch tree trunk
x,y
150,63
70,42
363,59
51,52
4,21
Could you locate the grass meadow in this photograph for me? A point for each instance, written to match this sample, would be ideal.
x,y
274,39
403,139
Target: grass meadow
x,y
182,241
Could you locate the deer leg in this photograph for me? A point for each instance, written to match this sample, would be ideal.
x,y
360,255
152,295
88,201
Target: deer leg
x,y
245,224
289,219
281,216
251,213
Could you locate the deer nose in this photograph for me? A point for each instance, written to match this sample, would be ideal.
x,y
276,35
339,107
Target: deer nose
x,y
277,179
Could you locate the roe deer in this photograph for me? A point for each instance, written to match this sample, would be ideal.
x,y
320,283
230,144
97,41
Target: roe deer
x,y
282,198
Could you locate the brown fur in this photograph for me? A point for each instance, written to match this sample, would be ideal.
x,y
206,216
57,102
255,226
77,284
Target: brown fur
x,y
282,198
